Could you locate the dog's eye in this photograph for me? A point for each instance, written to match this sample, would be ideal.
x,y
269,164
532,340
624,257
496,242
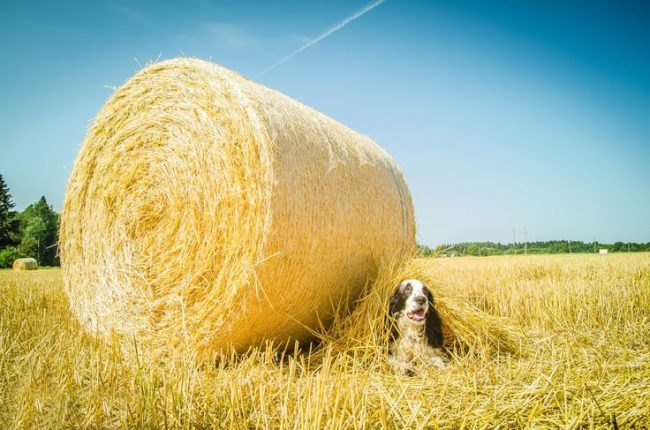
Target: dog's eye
x,y
408,289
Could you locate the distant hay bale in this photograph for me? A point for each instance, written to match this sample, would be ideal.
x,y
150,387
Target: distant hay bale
x,y
25,264
206,211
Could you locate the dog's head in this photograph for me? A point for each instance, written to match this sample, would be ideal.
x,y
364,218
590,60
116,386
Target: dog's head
x,y
412,304
411,299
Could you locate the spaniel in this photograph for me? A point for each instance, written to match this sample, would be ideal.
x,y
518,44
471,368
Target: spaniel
x,y
415,329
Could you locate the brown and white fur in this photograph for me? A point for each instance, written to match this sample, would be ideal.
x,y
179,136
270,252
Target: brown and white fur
x,y
415,329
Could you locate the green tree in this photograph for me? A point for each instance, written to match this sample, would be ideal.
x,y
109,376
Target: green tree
x,y
8,255
9,224
423,250
40,226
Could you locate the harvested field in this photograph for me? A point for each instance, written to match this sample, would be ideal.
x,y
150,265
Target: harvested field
x,y
585,318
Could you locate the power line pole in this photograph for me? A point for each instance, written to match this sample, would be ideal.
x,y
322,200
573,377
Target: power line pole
x,y
514,241
525,241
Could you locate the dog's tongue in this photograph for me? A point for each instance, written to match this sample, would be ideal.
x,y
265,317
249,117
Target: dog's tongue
x,y
417,315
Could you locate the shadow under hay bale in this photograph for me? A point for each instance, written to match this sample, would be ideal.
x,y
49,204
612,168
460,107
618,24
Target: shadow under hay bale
x,y
205,211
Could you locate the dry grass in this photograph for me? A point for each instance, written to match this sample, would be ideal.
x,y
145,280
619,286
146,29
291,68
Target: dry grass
x,y
586,318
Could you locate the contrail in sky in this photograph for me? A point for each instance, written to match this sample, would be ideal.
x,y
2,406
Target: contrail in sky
x,y
328,33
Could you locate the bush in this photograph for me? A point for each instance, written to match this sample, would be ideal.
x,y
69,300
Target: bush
x,y
8,255
423,250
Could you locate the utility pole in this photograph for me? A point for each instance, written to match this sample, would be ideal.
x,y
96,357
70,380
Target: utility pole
x,y
514,241
525,241
569,246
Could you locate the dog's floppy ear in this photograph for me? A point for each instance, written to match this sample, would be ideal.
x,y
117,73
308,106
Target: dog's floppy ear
x,y
393,309
433,326
394,306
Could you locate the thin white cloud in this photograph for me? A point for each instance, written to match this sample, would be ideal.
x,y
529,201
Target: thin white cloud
x,y
231,36
127,11
328,33
223,35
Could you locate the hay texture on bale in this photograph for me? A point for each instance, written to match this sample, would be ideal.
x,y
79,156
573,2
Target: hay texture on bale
x,y
25,264
206,211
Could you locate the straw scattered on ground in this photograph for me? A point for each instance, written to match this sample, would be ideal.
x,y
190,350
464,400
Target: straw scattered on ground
x,y
585,319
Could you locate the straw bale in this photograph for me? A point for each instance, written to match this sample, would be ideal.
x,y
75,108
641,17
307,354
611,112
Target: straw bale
x,y
25,264
206,211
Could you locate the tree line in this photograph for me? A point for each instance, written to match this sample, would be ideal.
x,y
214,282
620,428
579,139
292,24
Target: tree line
x,y
33,232
546,247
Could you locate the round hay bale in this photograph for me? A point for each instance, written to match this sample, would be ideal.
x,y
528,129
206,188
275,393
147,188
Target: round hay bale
x,y
25,264
207,211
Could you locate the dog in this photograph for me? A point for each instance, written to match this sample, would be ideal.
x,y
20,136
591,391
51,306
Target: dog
x,y
415,329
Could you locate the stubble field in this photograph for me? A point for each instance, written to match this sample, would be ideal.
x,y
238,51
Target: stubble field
x,y
583,322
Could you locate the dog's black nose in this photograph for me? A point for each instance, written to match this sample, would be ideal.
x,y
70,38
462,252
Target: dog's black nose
x,y
420,300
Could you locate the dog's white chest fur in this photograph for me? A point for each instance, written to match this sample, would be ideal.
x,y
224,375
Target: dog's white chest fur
x,y
411,347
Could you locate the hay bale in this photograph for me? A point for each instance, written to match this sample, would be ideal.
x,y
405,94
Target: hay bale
x,y
206,211
25,264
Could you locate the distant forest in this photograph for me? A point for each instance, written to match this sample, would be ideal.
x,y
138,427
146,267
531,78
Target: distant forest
x,y
547,247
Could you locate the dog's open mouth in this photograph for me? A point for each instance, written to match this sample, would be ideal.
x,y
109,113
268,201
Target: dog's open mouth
x,y
418,315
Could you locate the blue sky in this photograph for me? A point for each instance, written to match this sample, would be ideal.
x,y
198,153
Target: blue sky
x,y
502,114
